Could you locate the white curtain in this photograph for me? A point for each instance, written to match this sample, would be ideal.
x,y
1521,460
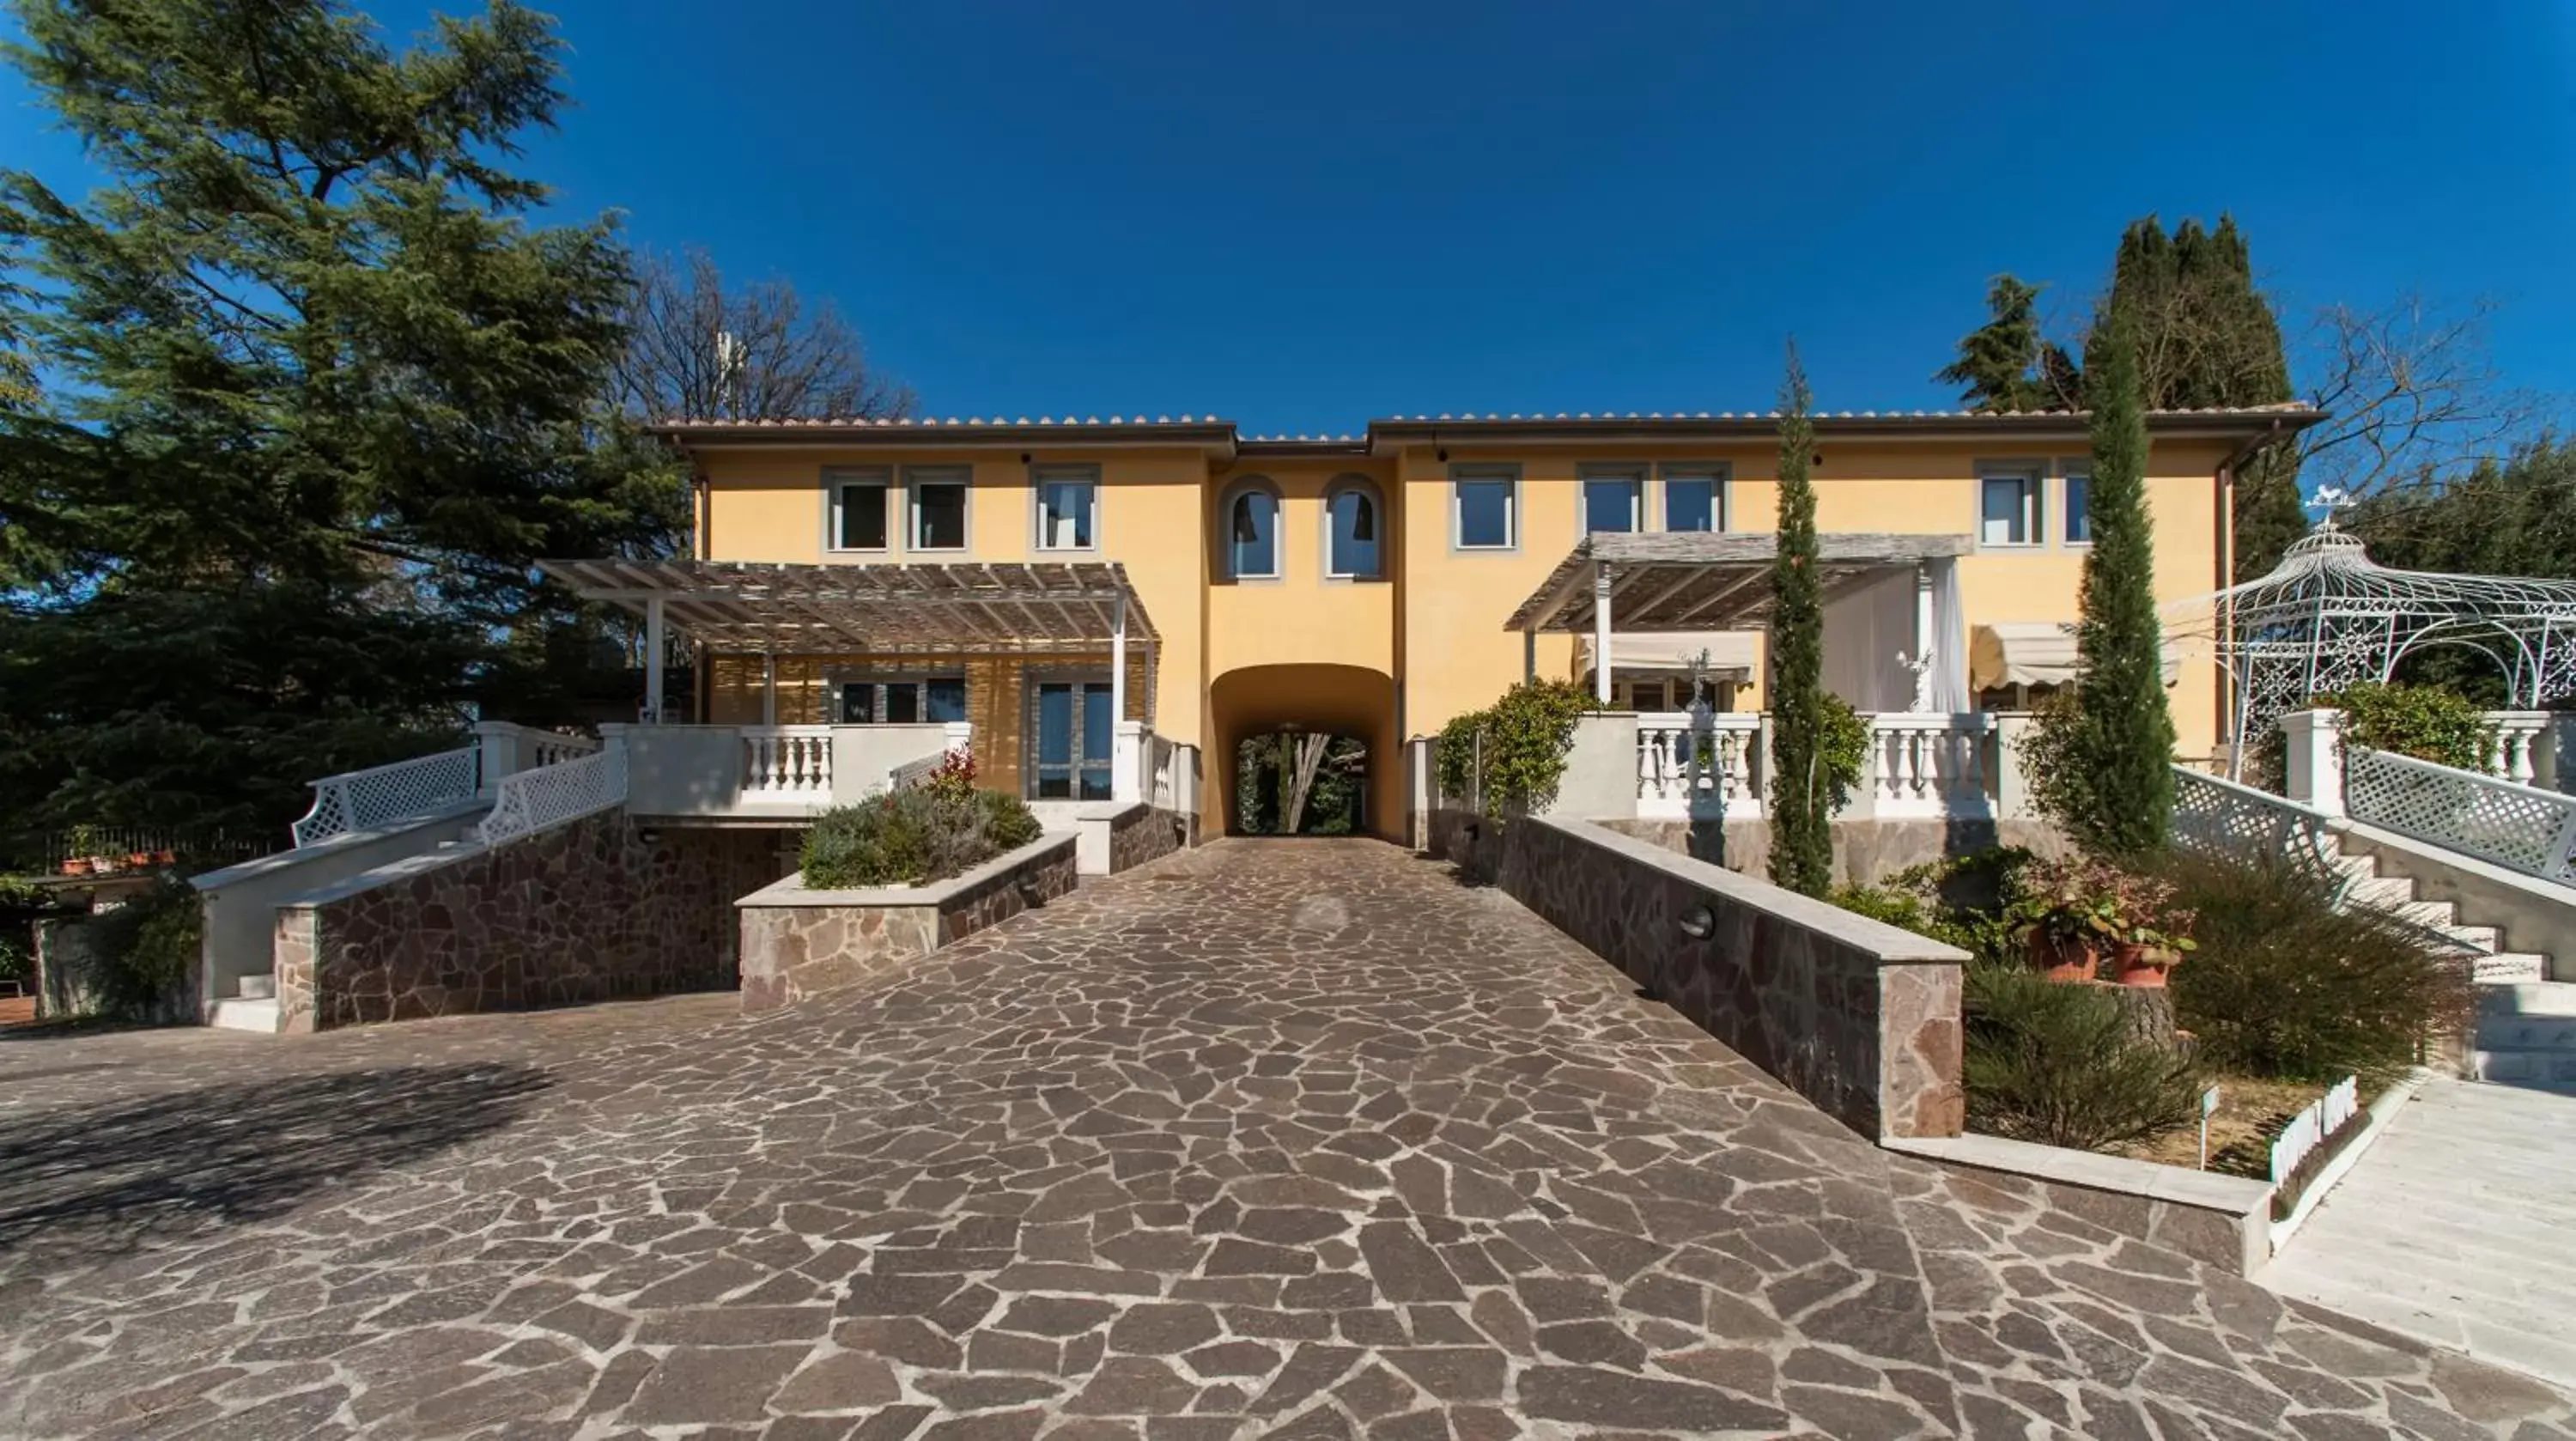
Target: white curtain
x,y
1864,630
1949,639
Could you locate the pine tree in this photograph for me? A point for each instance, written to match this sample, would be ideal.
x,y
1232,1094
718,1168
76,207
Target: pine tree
x,y
317,393
2005,364
1802,841
2122,739
2205,336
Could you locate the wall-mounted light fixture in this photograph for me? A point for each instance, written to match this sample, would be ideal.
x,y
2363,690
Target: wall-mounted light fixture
x,y
1698,923
649,836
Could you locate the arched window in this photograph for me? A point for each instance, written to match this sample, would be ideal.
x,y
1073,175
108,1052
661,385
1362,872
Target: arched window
x,y
1354,531
1252,533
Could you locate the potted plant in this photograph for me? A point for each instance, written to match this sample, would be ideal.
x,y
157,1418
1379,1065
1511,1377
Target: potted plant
x,y
75,865
2076,913
138,860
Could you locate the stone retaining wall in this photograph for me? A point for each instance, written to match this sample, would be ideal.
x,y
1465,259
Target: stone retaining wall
x,y
797,942
1860,1018
588,911
1146,834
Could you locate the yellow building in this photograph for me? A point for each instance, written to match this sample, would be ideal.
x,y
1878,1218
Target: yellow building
x,y
1361,584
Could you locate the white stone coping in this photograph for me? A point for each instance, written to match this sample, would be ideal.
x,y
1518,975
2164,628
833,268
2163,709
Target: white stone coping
x,y
2548,893
1892,945
2235,1196
270,865
793,892
2375,1120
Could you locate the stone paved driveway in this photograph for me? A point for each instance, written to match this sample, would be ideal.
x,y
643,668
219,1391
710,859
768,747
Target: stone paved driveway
x,y
1298,1139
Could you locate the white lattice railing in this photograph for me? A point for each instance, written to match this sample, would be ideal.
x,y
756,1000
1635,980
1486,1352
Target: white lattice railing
x,y
533,800
2218,817
2520,827
786,762
381,795
1928,765
1725,775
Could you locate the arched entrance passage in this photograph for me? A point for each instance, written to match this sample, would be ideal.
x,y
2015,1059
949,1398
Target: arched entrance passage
x,y
1328,700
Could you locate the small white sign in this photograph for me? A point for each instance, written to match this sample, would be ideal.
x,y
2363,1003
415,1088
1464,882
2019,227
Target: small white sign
x,y
2209,1102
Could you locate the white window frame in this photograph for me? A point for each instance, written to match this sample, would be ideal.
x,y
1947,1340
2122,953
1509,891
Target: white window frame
x,y
2068,472
2032,477
1720,476
917,476
1042,476
1234,494
1631,476
1473,473
837,482
1366,490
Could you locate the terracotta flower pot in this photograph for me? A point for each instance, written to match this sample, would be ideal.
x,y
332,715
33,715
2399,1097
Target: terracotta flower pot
x,y
76,866
138,860
2061,958
2142,965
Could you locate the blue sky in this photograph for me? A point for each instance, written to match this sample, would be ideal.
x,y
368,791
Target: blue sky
x,y
1302,216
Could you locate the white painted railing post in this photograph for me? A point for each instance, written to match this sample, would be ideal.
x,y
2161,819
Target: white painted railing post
x,y
2011,783
2553,755
2313,773
1127,762
961,736
505,752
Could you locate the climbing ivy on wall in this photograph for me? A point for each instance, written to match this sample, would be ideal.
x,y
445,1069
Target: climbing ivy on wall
x,y
1508,757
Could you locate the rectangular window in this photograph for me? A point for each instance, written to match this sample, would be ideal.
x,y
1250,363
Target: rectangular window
x,y
943,700
906,701
938,509
1694,499
1068,500
2079,509
2010,513
859,511
1613,500
1487,504
858,704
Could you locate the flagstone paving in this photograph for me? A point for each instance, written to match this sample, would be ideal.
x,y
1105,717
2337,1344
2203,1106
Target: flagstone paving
x,y
1297,1139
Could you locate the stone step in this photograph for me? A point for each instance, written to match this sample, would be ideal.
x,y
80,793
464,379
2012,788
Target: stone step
x,y
2548,1070
2483,939
2358,867
233,1014
2529,998
2516,969
2389,892
2431,915
262,987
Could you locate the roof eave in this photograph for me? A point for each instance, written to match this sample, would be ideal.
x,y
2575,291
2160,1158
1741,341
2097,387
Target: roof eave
x,y
2029,425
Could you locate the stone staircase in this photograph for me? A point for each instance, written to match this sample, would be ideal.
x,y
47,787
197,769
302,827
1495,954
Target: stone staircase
x,y
2526,1032
255,1009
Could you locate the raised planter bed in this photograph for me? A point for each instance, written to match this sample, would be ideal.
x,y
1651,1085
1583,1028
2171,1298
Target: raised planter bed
x,y
797,942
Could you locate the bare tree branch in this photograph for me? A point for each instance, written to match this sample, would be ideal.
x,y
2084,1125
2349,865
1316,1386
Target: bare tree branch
x,y
2410,394
776,360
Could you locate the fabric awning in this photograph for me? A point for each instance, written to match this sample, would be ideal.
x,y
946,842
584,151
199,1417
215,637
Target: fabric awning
x,y
967,608
1729,651
1704,580
2034,653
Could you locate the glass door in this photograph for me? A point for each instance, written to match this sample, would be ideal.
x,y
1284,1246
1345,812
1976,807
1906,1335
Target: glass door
x,y
1071,737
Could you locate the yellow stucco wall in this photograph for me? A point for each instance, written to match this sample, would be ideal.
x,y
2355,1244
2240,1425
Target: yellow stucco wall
x,y
1432,628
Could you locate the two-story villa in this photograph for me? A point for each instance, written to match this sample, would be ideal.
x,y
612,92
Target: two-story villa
x,y
1362,584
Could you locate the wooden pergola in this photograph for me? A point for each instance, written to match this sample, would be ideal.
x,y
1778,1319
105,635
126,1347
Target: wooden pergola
x,y
961,608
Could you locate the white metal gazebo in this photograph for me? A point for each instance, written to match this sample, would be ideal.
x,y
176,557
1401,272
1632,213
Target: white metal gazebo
x,y
2329,617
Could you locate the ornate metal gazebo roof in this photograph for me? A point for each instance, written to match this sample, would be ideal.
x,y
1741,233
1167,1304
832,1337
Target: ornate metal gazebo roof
x,y
2329,617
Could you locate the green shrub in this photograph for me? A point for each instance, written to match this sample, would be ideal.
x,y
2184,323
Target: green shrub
x,y
2426,722
1956,900
913,835
2058,1064
2286,985
1521,741
1842,748
147,949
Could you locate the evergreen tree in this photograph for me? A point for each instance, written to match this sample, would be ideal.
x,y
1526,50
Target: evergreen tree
x,y
2205,336
317,394
2005,364
2122,736
1802,841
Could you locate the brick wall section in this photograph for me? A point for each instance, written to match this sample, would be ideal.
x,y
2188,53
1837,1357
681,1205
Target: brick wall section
x,y
1860,1018
791,951
588,911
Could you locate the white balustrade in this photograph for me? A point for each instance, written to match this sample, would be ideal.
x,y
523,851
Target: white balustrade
x,y
1724,777
2518,743
781,763
551,748
1927,765
380,795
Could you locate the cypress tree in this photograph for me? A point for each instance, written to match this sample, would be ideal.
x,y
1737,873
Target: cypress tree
x,y
1802,843
2004,365
2123,735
